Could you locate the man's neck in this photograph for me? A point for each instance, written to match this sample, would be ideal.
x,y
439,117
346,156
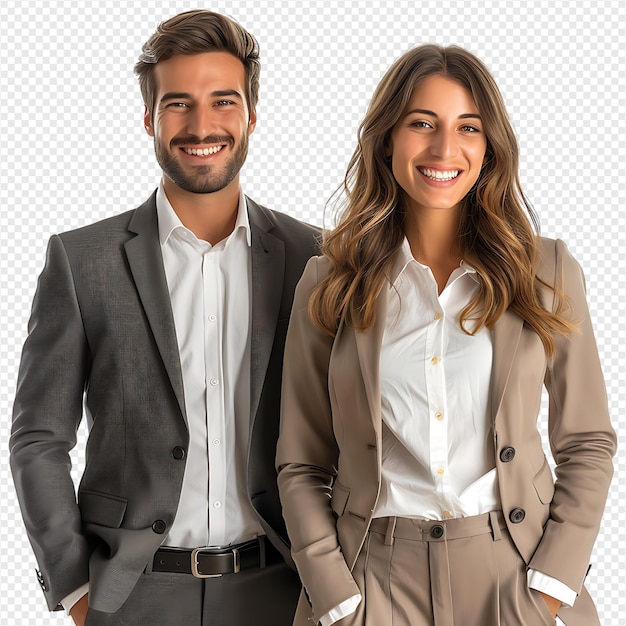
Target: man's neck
x,y
209,216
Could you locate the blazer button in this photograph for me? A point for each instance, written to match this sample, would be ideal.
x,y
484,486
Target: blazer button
x,y
507,454
178,453
159,527
436,532
517,515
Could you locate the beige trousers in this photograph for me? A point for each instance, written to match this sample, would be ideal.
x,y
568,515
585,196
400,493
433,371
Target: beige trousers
x,y
460,572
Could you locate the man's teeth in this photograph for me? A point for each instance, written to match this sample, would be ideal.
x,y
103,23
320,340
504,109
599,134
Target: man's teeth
x,y
203,151
438,175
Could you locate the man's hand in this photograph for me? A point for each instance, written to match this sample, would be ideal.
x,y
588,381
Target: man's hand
x,y
553,604
79,611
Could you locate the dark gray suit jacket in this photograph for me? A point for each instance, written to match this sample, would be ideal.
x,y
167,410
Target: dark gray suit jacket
x,y
102,332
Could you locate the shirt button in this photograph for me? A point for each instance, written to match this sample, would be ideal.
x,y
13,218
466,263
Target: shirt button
x,y
438,416
212,317
213,381
441,471
438,315
217,504
435,360
447,514
216,442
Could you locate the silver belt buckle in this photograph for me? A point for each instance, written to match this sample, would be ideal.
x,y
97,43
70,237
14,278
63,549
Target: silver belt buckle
x,y
194,562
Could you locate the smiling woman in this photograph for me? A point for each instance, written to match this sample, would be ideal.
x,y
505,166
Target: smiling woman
x,y
412,476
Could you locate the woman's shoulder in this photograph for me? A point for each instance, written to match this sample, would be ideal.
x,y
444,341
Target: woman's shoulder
x,y
557,267
554,256
316,269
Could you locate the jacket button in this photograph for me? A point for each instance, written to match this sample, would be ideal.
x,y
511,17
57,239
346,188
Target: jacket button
x,y
517,515
436,532
178,453
159,527
507,454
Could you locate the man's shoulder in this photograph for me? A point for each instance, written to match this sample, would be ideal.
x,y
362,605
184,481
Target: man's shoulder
x,y
287,224
114,227
116,223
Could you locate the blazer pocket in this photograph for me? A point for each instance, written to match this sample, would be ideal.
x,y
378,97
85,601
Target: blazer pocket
x,y
101,508
544,483
339,499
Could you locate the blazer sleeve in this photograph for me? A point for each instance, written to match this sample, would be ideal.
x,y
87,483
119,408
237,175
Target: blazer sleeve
x,y
581,438
307,455
46,415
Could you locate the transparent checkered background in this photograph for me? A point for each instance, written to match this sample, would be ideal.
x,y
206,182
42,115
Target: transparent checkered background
x,y
73,150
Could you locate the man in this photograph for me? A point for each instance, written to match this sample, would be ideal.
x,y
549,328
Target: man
x,y
169,322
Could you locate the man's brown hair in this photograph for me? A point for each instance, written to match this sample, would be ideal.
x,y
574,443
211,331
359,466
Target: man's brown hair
x,y
195,32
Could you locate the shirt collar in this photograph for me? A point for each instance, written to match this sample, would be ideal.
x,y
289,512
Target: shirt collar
x,y
404,257
168,221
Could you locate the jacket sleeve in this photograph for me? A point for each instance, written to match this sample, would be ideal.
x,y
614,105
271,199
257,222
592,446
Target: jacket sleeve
x,y
307,456
581,438
46,415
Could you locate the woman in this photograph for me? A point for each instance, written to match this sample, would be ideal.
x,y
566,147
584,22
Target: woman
x,y
414,484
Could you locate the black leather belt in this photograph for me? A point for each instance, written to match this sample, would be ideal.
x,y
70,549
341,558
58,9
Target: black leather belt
x,y
213,562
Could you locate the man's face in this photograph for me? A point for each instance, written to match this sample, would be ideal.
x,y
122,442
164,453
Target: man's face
x,y
201,120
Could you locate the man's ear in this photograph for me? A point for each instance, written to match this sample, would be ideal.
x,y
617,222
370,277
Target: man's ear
x,y
147,121
252,122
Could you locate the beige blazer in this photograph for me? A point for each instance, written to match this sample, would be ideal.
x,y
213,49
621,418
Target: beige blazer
x,y
329,450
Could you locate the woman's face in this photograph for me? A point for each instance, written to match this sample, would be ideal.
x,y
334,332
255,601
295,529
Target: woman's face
x,y
438,145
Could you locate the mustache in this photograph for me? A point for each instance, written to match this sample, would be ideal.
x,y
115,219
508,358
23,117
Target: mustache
x,y
196,141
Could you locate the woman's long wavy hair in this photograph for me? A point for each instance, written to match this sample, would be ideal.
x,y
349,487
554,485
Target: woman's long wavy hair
x,y
497,226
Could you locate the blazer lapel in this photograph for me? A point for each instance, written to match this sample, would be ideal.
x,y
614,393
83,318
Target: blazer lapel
x,y
268,270
506,335
368,345
146,266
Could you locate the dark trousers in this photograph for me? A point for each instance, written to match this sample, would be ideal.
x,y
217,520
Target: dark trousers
x,y
263,597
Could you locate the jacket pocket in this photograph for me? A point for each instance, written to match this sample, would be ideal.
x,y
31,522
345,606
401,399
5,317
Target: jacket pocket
x,y
101,508
544,483
339,499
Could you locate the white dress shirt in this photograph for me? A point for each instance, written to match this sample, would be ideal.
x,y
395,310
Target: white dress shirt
x,y
437,451
209,288
437,445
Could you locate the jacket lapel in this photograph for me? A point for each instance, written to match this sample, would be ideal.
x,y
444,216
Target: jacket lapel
x,y
268,270
146,266
368,345
506,336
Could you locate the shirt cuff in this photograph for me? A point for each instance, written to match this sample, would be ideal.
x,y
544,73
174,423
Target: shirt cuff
x,y
551,586
347,607
71,599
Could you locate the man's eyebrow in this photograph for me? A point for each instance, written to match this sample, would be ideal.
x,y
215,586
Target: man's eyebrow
x,y
181,95
173,95
463,116
227,92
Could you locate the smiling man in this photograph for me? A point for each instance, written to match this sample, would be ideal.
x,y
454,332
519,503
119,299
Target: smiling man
x,y
168,322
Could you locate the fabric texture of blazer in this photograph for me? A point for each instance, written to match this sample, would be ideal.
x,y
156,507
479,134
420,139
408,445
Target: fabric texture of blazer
x,y
329,449
102,332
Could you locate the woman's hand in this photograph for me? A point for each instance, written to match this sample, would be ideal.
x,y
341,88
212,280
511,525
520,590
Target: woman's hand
x,y
553,604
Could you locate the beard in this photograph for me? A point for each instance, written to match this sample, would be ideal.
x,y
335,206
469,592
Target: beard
x,y
204,178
